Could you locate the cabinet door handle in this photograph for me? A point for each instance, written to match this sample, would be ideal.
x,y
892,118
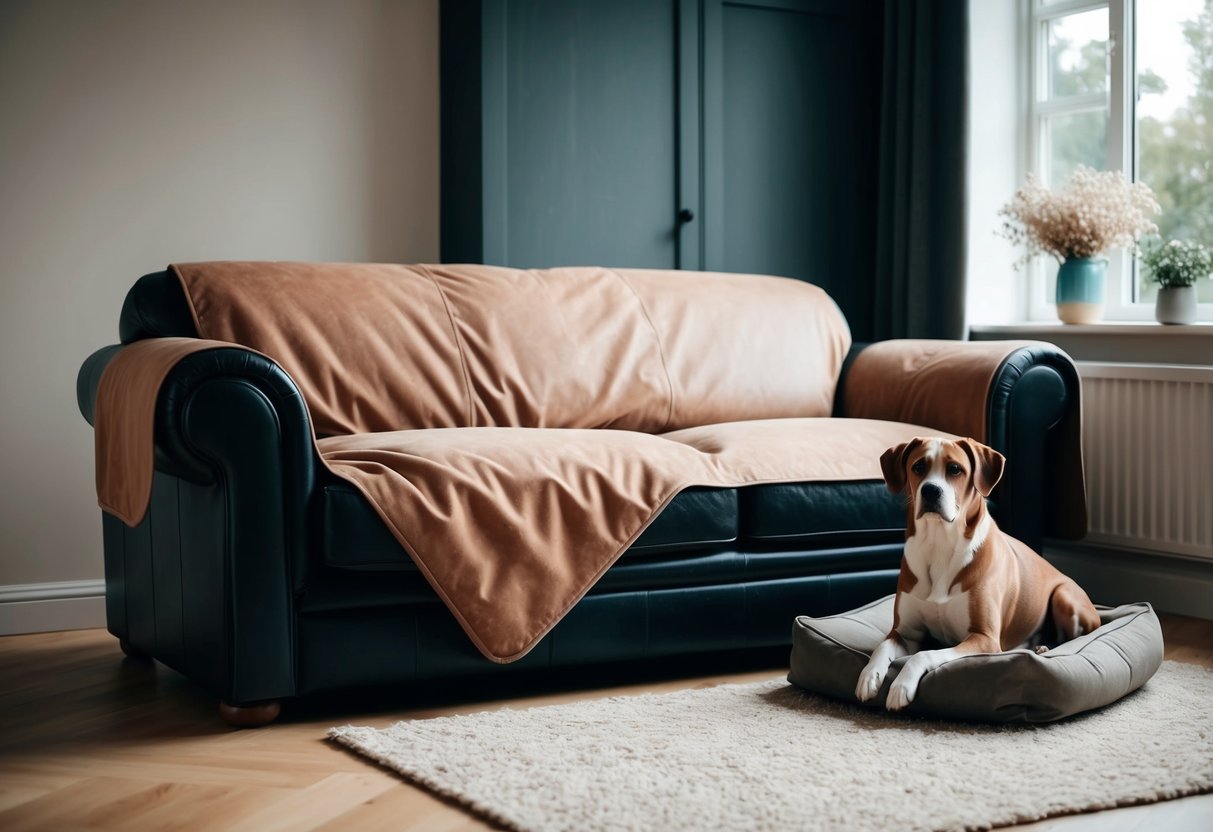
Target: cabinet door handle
x,y
686,215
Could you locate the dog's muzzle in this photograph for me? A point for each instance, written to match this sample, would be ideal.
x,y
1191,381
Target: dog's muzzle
x,y
930,496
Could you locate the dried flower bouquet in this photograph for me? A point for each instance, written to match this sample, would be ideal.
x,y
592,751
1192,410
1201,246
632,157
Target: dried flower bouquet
x,y
1092,212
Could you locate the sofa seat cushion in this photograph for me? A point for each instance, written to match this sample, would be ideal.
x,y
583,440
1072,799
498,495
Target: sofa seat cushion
x,y
343,590
822,513
696,521
841,502
812,515
512,526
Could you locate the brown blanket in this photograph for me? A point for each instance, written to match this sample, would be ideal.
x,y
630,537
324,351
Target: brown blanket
x,y
516,431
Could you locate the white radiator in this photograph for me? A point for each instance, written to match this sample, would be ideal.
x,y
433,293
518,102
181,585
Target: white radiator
x,y
1148,444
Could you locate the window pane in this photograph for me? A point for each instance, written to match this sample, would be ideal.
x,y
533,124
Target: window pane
x,y
1174,124
1077,139
1078,54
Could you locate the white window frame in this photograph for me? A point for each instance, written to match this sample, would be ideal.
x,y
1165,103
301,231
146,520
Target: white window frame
x,y
1121,98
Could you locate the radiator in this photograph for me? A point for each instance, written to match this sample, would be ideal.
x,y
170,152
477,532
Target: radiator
x,y
1148,444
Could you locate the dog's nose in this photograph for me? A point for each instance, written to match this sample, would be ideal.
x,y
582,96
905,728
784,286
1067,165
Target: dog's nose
x,y
931,492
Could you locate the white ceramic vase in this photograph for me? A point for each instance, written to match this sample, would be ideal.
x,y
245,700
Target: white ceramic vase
x,y
1175,305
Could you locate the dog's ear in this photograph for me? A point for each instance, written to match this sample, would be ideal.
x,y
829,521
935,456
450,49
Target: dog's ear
x,y
893,464
987,465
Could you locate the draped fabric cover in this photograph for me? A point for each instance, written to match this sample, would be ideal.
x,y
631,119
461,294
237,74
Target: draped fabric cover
x,y
517,430
377,347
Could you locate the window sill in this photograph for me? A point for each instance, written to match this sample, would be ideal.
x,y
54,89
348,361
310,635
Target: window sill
x,y
1117,341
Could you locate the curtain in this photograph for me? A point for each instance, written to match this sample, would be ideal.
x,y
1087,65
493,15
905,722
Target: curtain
x,y
921,188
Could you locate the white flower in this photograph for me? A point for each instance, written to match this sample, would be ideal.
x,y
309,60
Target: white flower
x,y
1092,212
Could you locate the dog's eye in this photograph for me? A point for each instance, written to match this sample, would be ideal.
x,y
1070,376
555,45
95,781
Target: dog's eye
x,y
920,467
954,470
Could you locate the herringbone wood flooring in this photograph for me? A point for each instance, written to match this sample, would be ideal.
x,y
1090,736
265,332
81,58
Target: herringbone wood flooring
x,y
91,741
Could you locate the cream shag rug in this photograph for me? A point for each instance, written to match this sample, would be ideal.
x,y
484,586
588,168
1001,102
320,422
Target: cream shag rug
x,y
766,756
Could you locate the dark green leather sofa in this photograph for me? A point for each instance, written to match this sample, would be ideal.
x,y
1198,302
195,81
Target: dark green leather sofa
x,y
262,577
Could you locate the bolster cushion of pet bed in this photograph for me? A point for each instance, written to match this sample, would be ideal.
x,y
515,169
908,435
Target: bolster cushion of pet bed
x,y
1088,672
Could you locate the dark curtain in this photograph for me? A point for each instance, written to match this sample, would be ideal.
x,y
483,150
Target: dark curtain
x,y
922,195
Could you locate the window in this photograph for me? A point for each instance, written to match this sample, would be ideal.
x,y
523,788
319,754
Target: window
x,y
1126,85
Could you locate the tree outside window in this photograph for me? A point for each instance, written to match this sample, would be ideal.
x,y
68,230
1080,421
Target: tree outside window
x,y
1172,111
1175,141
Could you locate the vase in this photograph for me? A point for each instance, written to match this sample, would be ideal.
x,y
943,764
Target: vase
x,y
1175,305
1080,290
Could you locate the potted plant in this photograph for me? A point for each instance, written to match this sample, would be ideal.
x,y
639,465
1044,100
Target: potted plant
x,y
1176,266
1092,212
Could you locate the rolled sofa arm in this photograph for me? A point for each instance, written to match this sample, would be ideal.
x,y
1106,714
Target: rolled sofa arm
x,y
206,580
1023,398
176,451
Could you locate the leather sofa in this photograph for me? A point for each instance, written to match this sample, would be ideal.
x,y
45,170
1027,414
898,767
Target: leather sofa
x,y
262,576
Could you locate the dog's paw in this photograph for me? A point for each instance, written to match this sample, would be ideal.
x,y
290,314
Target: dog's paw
x,y
905,686
901,693
869,684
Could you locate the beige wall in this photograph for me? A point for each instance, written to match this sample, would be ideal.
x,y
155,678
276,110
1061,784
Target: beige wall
x,y
134,133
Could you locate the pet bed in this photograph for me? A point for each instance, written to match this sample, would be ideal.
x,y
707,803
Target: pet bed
x,y
1094,670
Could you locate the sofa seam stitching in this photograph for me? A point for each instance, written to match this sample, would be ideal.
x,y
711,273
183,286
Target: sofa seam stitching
x,y
463,361
665,367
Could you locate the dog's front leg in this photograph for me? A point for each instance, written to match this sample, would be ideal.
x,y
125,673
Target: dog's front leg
x,y
905,686
872,677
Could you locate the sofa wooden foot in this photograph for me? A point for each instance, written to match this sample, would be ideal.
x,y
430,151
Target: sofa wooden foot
x,y
250,716
133,653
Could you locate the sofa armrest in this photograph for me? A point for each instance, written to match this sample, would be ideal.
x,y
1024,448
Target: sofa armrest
x,y
228,440
206,580
1023,398
88,380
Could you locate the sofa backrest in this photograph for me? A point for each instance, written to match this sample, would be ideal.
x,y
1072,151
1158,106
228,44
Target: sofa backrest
x,y
387,347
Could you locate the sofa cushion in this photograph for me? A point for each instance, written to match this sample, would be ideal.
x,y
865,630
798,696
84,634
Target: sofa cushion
x,y
841,503
874,567
822,513
511,526
696,521
483,346
812,515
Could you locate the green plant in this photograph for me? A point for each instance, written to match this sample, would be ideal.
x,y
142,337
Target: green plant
x,y
1177,263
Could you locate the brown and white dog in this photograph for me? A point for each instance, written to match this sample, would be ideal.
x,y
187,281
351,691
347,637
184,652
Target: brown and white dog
x,y
963,582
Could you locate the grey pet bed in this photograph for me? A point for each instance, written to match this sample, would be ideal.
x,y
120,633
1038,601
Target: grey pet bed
x,y
1017,686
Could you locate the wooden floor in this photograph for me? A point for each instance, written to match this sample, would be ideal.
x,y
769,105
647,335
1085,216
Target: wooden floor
x,y
89,740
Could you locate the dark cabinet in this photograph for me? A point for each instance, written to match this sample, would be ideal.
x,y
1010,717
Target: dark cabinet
x,y
569,110
732,136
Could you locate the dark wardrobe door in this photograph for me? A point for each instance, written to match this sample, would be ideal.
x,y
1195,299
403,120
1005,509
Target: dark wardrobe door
x,y
578,135
730,135
790,119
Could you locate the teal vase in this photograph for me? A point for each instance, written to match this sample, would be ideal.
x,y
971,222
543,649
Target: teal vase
x,y
1080,290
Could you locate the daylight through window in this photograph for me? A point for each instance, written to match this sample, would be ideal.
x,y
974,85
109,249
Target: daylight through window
x,y
1128,85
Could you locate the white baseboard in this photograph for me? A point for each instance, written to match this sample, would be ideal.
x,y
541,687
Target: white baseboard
x,y
1179,585
41,608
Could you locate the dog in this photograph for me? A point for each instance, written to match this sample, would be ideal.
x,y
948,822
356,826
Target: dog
x,y
963,582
